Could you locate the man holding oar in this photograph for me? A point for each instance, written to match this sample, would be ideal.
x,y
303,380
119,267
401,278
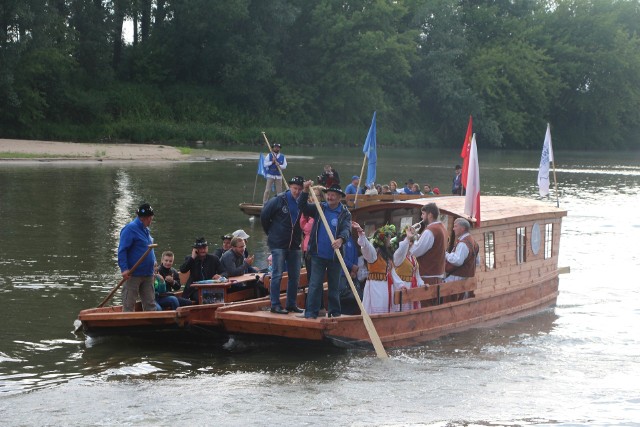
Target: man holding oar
x,y
321,248
135,239
274,163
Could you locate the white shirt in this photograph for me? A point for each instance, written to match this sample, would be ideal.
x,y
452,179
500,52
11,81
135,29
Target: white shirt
x,y
268,162
457,258
424,243
401,253
461,253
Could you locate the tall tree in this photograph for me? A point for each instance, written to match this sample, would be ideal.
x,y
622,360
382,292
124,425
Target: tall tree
x,y
361,60
596,49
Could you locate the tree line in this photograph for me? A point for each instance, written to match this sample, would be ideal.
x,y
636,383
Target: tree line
x,y
313,72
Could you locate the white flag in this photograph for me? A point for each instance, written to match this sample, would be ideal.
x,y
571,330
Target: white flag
x,y
472,198
545,159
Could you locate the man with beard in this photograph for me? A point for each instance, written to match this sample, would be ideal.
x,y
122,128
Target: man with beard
x,y
430,247
273,174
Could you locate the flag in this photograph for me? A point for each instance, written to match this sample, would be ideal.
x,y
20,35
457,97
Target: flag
x,y
369,150
466,147
545,159
261,170
472,198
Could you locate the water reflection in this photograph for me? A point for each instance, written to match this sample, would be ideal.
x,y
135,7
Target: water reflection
x,y
124,204
57,260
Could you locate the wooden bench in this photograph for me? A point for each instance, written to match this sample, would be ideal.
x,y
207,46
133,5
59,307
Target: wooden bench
x,y
435,294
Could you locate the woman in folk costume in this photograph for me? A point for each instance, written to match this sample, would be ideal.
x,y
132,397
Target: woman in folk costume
x,y
389,270
407,267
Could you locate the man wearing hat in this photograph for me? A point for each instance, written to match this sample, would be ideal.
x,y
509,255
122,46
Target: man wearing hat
x,y
226,245
280,220
323,257
272,172
201,265
353,187
135,238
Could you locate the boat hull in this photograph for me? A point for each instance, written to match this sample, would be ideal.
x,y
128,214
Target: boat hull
x,y
399,329
186,321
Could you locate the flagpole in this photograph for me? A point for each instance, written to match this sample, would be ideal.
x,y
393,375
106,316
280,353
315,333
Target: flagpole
x,y
355,200
255,184
555,180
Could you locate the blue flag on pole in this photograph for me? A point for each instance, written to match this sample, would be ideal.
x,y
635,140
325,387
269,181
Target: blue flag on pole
x,y
261,170
369,150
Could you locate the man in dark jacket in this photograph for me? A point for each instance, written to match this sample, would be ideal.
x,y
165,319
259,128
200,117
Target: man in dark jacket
x,y
280,220
323,257
201,265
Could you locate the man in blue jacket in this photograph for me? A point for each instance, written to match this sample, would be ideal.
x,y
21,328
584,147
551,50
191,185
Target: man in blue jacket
x,y
134,241
280,220
323,257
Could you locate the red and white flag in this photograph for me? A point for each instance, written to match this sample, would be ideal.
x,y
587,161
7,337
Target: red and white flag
x,y
472,198
464,153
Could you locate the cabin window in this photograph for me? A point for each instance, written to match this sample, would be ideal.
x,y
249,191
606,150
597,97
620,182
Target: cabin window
x,y
521,238
489,251
548,241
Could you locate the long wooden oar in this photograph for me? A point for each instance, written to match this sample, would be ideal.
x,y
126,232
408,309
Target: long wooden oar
x,y
273,156
113,291
368,324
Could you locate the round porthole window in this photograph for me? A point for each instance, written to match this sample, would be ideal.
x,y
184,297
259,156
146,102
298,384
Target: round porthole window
x,y
535,238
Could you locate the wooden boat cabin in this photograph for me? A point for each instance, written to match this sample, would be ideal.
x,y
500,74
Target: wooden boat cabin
x,y
516,275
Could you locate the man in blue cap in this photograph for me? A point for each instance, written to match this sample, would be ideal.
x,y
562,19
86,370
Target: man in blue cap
x,y
135,238
353,187
280,220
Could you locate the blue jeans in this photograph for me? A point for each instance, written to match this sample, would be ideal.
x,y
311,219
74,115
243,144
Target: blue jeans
x,y
293,261
169,301
314,299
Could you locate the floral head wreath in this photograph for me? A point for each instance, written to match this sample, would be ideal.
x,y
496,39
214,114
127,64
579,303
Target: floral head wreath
x,y
382,236
395,242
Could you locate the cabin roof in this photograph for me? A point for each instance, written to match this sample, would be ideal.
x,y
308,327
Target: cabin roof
x,y
492,208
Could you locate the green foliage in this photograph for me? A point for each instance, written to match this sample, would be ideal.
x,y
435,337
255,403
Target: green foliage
x,y
313,72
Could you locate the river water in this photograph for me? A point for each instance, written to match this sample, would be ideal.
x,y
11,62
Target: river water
x,y
575,364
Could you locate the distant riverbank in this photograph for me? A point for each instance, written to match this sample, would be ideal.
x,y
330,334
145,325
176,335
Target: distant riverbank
x,y
17,150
